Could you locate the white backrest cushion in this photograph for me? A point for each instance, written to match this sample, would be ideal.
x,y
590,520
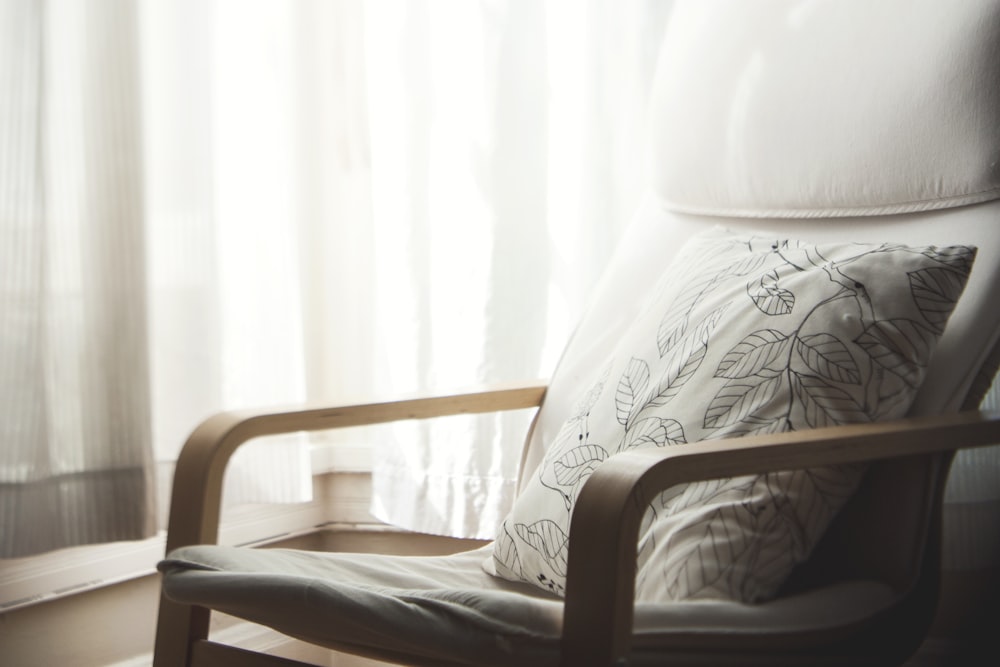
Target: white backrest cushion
x,y
854,110
784,108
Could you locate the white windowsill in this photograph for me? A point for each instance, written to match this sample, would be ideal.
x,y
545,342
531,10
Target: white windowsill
x,y
329,456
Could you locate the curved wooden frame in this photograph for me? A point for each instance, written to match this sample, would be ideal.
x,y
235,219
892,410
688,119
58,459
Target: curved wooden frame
x,y
197,488
604,529
605,524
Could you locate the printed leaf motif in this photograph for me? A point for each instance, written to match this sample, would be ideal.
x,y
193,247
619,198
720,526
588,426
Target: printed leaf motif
x,y
672,329
824,404
771,299
547,538
586,403
577,463
958,257
739,398
682,364
755,355
706,492
896,345
631,386
771,244
674,324
704,331
745,266
654,431
505,552
753,426
769,567
827,355
569,467
710,559
821,491
935,291
893,400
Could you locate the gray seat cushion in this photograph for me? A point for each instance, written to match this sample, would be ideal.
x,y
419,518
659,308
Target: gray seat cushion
x,y
448,609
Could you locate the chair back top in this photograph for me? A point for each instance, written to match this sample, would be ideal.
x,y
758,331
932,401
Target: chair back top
x,y
820,121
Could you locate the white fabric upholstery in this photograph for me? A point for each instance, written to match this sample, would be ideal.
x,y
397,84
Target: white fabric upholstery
x,y
798,109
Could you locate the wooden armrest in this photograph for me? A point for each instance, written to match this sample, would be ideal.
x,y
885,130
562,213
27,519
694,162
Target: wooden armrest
x,y
197,487
604,529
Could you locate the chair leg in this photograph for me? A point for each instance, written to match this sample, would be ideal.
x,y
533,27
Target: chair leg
x,y
178,627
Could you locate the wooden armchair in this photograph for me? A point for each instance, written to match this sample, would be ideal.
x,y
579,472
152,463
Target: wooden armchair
x,y
801,126
598,621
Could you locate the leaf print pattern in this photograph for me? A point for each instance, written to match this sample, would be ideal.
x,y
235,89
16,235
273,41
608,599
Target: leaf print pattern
x,y
957,257
655,432
826,487
760,353
900,346
771,299
739,399
745,336
825,404
586,404
549,539
753,426
577,457
672,329
632,385
570,470
828,357
935,291
506,550
701,492
702,556
683,361
709,563
578,463
681,366
744,267
674,324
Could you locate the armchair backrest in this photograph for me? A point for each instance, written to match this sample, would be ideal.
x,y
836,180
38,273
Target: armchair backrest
x,y
823,121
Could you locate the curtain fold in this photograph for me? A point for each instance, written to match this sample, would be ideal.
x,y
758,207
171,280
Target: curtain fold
x,y
74,372
216,205
219,205
225,280
504,144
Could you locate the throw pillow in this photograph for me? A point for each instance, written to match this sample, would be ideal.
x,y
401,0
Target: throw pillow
x,y
743,335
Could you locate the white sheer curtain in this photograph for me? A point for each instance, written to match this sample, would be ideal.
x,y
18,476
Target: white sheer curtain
x,y
404,196
224,250
75,443
212,205
506,155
